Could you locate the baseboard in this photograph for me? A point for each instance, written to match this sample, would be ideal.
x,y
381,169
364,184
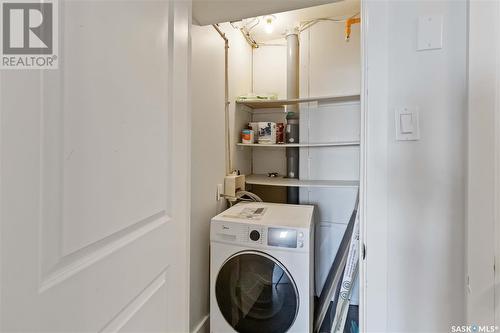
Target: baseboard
x,y
203,325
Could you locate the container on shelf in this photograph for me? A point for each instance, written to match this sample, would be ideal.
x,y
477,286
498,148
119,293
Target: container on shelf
x,y
292,162
254,126
267,133
247,136
292,131
280,133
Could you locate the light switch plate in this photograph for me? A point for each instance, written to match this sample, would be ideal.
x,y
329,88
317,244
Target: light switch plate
x,y
407,124
430,33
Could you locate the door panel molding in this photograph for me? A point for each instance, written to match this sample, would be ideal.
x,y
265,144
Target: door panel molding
x,y
128,312
72,264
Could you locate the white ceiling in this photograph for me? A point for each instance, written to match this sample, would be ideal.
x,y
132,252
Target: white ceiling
x,y
218,11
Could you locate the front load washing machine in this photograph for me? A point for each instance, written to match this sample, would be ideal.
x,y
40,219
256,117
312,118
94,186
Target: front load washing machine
x,y
261,270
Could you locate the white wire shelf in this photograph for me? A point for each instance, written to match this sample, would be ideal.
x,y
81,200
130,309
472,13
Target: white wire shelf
x,y
299,145
293,182
276,103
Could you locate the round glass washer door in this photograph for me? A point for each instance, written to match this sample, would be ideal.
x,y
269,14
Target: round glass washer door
x,y
255,293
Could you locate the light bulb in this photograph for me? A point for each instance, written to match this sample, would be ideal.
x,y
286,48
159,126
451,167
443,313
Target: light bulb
x,y
269,26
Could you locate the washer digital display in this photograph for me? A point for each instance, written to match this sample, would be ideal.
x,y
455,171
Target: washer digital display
x,y
282,237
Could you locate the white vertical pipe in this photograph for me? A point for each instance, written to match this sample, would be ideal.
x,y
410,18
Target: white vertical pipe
x,y
292,64
292,91
229,161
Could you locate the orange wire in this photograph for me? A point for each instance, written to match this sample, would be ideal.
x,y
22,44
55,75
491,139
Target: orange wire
x,y
348,24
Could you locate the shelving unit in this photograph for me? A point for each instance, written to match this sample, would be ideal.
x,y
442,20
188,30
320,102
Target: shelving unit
x,y
263,106
277,103
300,145
282,181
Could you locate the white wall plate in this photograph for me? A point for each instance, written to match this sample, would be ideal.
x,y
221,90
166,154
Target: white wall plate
x,y
407,124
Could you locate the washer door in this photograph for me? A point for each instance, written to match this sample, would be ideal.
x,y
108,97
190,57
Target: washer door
x,y
255,293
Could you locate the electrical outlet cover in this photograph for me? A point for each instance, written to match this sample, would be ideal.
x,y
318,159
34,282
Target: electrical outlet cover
x,y
430,33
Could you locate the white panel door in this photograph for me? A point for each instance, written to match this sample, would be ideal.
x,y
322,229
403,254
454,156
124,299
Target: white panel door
x,y
92,236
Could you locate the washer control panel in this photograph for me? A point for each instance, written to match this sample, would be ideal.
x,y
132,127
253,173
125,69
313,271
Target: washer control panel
x,y
261,236
256,234
283,237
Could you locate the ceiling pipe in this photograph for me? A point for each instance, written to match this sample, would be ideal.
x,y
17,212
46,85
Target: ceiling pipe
x,y
292,64
229,161
249,39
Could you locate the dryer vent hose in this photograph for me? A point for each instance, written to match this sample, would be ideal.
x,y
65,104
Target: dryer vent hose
x,y
245,196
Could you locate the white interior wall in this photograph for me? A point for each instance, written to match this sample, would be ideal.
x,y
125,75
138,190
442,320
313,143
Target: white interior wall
x,y
269,68
426,187
333,65
208,158
208,146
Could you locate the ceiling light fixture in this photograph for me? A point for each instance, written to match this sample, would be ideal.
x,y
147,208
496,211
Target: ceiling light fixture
x,y
269,23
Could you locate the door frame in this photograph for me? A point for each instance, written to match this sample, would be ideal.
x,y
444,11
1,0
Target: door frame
x,y
179,39
483,193
373,166
497,176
